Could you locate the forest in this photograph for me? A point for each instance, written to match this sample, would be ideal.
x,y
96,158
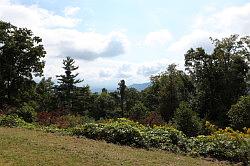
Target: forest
x,y
202,110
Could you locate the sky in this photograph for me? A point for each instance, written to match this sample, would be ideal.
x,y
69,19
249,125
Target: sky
x,y
112,40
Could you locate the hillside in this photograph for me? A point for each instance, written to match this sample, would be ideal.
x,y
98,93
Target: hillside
x,y
27,147
140,87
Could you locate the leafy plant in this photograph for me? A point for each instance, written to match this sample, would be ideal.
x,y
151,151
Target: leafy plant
x,y
187,121
239,114
11,121
27,112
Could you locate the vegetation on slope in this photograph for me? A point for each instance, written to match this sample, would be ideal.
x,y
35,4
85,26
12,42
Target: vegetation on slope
x,y
29,147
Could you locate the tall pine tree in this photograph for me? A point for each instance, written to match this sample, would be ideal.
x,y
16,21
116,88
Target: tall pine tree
x,y
121,89
67,83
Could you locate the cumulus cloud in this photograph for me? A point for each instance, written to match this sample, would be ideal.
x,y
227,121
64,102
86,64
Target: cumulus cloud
x,y
70,11
90,46
59,35
33,17
158,38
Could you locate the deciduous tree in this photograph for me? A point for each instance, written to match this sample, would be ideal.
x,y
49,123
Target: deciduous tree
x,y
21,56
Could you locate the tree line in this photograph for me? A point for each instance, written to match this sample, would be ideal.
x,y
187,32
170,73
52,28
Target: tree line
x,y
214,86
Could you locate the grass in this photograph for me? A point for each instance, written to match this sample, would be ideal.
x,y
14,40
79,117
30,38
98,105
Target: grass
x,y
29,147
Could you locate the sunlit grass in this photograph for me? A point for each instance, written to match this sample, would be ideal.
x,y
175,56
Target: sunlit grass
x,y
29,147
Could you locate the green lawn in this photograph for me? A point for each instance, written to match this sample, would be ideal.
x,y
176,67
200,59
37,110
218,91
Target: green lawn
x,y
29,147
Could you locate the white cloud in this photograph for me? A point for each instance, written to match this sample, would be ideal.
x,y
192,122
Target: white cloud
x,y
86,45
151,69
33,16
231,20
197,38
61,39
158,38
59,35
70,11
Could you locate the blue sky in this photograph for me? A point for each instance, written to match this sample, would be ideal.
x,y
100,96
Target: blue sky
x,y
125,39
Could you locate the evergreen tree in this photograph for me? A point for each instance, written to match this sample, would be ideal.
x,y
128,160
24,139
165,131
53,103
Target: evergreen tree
x,y
121,89
67,83
45,95
104,106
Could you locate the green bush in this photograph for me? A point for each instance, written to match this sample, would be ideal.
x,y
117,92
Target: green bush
x,y
239,114
138,112
27,112
11,121
126,132
222,146
118,132
166,138
187,121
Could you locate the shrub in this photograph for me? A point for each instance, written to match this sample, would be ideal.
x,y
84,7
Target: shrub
x,y
138,112
187,121
122,132
209,128
223,144
153,118
27,112
46,118
166,138
239,114
126,132
11,121
62,121
73,120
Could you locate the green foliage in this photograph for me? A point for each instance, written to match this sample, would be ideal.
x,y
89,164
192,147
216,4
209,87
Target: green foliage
x,y
169,89
133,96
83,101
223,144
187,121
126,132
239,114
45,95
104,106
166,138
11,121
219,77
27,112
76,120
67,83
122,87
209,128
20,60
61,121
138,112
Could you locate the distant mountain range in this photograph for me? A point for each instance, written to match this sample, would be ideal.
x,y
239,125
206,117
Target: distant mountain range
x,y
140,87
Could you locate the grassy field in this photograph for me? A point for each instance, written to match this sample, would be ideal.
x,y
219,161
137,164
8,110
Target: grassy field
x,y
27,147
